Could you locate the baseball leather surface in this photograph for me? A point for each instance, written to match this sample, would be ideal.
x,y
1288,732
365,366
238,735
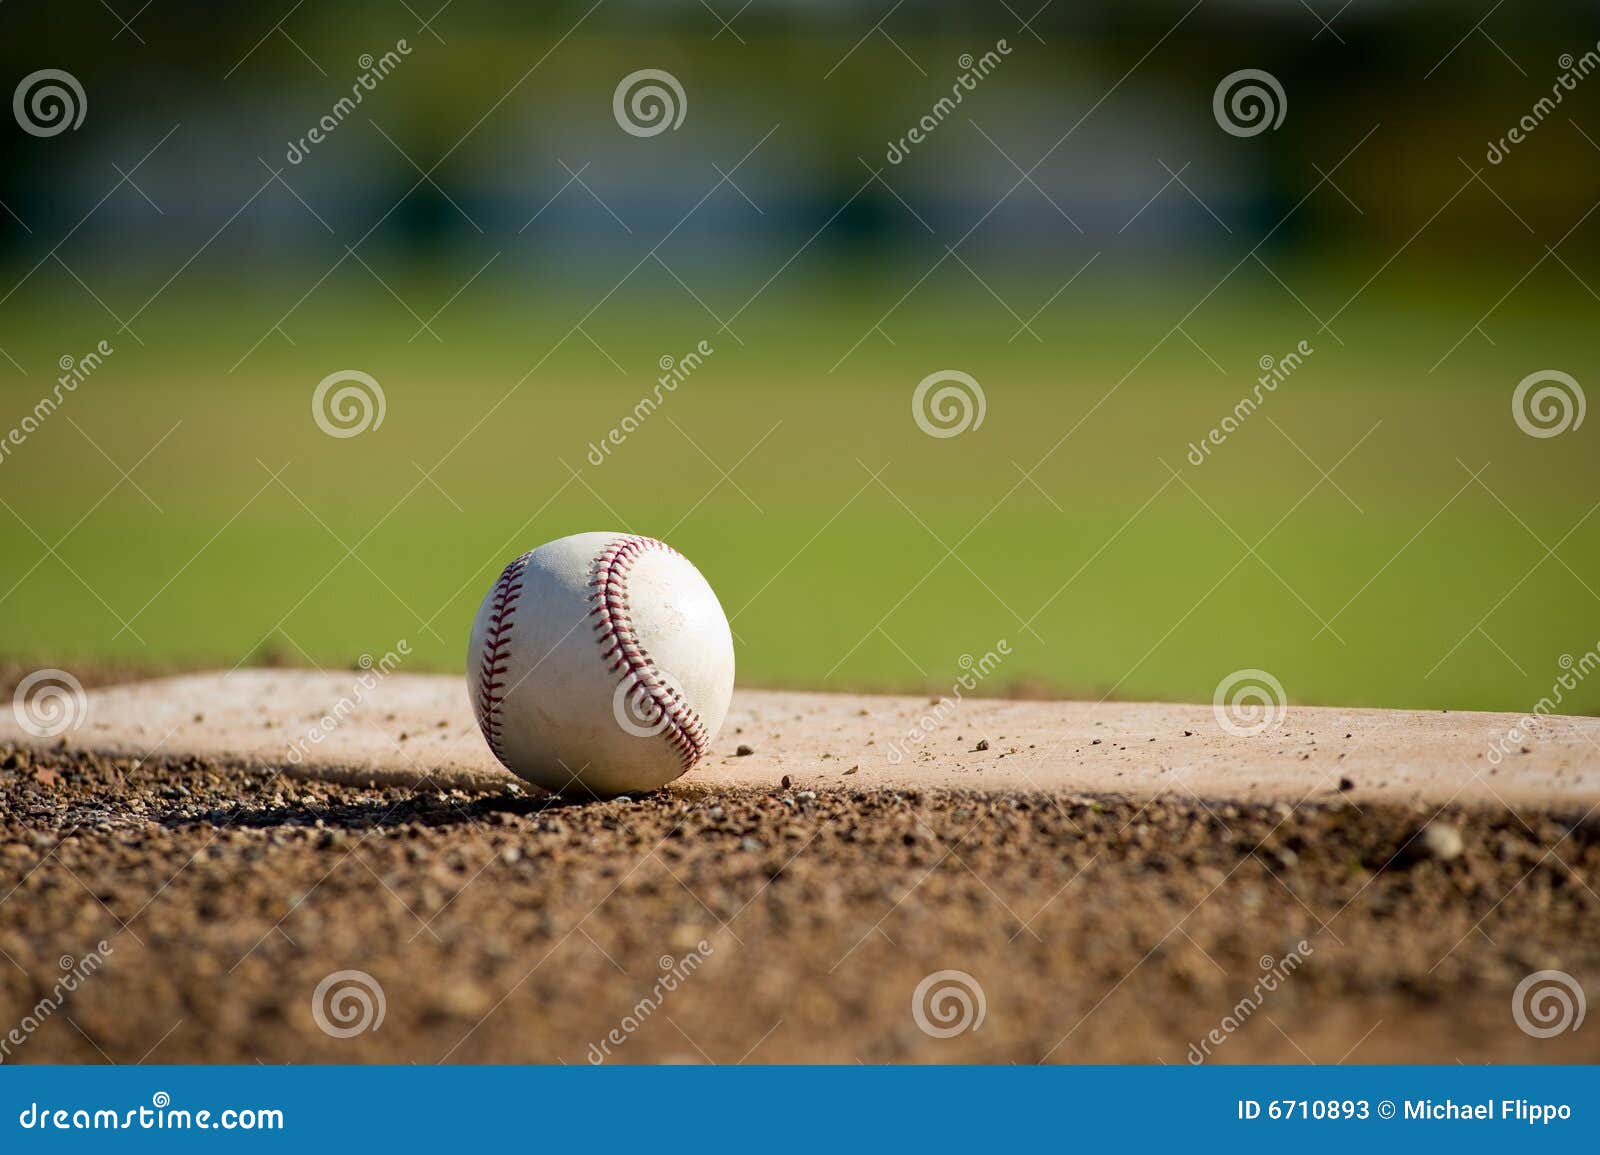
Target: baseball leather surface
x,y
600,663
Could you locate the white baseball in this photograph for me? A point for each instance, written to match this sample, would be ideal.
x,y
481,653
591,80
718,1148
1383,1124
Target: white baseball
x,y
600,663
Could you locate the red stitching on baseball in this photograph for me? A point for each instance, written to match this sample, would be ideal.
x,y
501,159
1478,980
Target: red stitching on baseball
x,y
620,648
497,653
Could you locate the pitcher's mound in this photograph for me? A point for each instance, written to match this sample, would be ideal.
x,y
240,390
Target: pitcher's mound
x,y
362,727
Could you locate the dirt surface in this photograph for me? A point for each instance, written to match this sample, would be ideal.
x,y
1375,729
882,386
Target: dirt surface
x,y
502,927
363,726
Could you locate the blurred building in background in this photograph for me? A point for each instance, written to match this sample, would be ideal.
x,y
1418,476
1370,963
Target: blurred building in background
x,y
749,70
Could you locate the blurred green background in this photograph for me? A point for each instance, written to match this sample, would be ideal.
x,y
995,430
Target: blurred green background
x,y
1380,531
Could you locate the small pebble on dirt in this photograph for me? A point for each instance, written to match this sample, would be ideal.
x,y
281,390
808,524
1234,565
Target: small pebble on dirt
x,y
1438,840
983,744
744,751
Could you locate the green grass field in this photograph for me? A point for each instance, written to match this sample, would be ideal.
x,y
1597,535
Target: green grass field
x,y
1401,582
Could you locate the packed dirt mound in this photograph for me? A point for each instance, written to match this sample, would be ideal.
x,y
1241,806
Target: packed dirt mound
x,y
397,729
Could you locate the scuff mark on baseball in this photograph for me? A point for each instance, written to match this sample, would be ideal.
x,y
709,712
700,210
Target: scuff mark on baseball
x,y
600,664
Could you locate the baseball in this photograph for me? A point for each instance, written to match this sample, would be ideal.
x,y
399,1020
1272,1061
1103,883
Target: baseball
x,y
600,664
